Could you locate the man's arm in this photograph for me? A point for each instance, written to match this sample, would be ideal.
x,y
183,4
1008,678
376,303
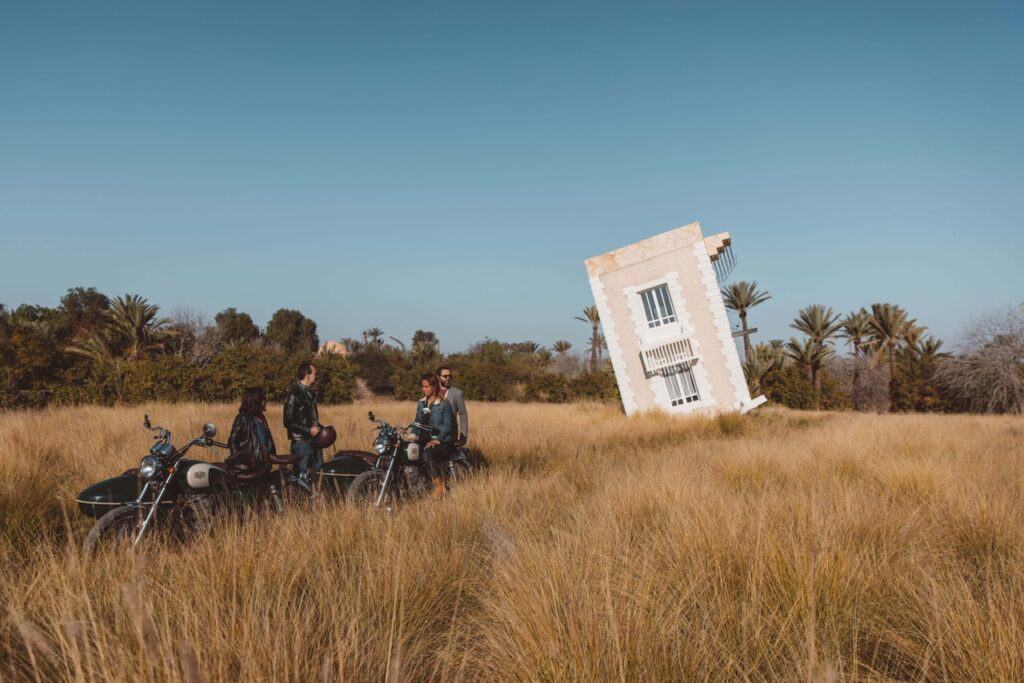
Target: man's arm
x,y
463,418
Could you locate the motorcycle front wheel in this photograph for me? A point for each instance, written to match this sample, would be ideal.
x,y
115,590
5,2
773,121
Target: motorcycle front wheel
x,y
114,528
365,490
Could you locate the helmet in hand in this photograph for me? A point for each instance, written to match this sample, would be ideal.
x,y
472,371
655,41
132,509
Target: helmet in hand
x,y
325,438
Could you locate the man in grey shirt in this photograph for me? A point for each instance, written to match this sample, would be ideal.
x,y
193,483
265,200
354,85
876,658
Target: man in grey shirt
x,y
458,403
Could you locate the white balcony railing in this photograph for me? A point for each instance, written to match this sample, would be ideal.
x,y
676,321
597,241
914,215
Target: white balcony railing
x,y
666,353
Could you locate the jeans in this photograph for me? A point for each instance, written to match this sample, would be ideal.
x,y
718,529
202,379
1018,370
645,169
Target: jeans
x,y
310,459
436,457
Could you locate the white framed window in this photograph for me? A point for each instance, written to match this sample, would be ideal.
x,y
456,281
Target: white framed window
x,y
681,387
658,306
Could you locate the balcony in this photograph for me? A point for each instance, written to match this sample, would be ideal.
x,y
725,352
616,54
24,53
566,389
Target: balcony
x,y
666,354
720,252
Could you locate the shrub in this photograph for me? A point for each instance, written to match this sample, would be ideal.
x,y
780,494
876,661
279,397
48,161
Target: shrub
x,y
595,386
336,378
165,378
549,387
407,383
238,368
789,387
376,367
485,380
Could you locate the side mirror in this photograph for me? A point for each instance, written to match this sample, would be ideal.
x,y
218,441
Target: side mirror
x,y
145,422
373,418
209,430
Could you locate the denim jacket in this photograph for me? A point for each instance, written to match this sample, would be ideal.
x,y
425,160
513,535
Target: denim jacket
x,y
439,419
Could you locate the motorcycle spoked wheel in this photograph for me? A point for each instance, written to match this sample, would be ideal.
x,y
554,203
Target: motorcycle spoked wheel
x,y
365,490
195,514
116,527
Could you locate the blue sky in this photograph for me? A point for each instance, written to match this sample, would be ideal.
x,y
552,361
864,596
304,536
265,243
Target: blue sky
x,y
449,166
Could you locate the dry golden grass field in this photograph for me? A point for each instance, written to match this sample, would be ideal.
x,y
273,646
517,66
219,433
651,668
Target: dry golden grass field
x,y
779,546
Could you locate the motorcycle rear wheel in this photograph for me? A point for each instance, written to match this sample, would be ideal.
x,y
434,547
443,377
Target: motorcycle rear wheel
x,y
118,526
365,490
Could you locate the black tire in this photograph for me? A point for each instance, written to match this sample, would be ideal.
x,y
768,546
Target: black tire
x,y
366,488
115,527
200,514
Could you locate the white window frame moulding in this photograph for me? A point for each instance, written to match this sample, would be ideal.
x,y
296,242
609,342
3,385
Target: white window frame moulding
x,y
682,327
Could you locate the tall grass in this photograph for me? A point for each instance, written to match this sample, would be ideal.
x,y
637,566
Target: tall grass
x,y
597,547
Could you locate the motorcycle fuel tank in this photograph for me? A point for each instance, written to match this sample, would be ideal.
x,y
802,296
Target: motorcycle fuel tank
x,y
203,475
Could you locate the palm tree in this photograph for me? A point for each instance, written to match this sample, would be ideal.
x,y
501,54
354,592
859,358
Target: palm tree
x,y
804,353
810,356
424,347
741,297
817,322
590,315
374,336
562,347
928,349
95,346
765,359
913,337
856,329
596,346
889,327
820,324
353,345
528,346
543,357
134,321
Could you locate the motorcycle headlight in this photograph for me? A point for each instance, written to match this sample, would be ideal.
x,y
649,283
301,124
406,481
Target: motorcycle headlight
x,y
148,466
381,446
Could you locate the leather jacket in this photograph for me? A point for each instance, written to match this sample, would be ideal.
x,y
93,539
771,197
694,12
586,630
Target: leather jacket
x,y
300,414
245,437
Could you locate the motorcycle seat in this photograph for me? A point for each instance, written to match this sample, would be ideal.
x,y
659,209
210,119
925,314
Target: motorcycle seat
x,y
284,459
251,475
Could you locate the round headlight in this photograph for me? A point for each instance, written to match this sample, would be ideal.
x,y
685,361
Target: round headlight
x,y
148,466
381,446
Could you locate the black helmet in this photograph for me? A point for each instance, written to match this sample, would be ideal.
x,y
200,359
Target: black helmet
x,y
325,438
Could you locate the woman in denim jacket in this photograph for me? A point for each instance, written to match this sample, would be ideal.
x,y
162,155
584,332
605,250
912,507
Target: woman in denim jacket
x,y
439,439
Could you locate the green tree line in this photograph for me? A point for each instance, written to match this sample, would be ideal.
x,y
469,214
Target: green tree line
x,y
892,364
95,349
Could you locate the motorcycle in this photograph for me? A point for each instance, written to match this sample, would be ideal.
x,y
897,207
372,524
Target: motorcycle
x,y
397,472
179,495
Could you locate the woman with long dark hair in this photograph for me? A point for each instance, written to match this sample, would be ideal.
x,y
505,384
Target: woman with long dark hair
x,y
250,433
437,436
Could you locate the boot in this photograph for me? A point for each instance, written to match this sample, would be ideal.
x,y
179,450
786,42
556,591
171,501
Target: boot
x,y
438,488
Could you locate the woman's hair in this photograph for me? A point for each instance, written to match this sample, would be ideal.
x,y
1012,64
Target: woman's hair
x,y
435,383
252,401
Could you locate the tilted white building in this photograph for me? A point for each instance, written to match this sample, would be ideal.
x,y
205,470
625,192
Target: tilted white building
x,y
665,323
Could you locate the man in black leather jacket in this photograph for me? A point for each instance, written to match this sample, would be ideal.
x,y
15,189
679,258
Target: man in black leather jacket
x,y
303,423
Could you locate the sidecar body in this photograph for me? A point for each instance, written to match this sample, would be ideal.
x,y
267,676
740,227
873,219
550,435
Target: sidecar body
x,y
337,473
103,496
